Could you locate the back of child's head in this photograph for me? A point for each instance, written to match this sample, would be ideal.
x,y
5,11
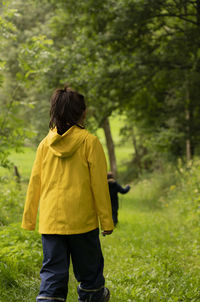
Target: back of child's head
x,y
67,108
110,175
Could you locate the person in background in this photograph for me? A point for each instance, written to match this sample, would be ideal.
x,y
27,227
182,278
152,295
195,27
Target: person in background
x,y
114,189
69,181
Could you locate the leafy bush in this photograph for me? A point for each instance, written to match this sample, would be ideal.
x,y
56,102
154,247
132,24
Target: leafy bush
x,y
11,201
20,259
185,195
151,191
22,248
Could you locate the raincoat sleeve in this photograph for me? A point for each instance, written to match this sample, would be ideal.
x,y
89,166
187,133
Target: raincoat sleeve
x,y
99,183
33,194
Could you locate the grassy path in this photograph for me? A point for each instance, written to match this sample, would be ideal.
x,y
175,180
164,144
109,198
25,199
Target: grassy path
x,y
152,256
149,257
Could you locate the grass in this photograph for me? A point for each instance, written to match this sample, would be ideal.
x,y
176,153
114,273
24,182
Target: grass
x,y
152,256
23,161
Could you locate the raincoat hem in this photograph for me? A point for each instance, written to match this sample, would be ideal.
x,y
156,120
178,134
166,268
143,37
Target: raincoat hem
x,y
67,232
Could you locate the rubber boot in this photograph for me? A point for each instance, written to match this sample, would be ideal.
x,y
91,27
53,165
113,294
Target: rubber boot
x,y
104,298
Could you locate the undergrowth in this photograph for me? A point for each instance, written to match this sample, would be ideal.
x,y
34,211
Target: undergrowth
x,y
153,255
11,200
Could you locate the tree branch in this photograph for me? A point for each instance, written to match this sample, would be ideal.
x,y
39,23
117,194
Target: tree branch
x,y
198,12
182,17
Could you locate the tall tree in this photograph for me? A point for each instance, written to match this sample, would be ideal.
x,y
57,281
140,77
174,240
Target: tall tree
x,y
12,130
139,57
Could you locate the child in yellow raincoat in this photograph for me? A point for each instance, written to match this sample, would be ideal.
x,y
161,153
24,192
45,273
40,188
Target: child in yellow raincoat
x,y
69,184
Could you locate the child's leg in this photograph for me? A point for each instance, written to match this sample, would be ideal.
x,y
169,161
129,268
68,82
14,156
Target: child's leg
x,y
88,265
55,270
115,216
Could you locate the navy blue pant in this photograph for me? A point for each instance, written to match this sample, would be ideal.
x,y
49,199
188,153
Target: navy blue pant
x,y
87,260
115,215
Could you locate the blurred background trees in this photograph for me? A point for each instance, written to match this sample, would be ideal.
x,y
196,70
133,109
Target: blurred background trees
x,y
140,59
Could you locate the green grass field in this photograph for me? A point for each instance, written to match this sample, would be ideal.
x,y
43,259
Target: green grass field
x,y
152,256
23,161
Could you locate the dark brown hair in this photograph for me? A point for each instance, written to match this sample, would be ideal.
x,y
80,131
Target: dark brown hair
x,y
110,175
67,107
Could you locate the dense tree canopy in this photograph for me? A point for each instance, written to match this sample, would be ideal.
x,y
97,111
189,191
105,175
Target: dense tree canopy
x,y
141,58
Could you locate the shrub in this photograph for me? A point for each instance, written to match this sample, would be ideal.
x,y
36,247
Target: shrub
x,y
11,201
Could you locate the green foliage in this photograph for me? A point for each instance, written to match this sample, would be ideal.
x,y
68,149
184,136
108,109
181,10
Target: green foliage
x,y
11,201
138,57
34,59
13,130
12,126
20,258
188,193
23,248
152,190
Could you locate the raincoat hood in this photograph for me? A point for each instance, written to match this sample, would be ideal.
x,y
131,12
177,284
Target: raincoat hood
x,y
65,145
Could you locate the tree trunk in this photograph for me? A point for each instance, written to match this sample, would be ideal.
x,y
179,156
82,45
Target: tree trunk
x,y
17,175
188,134
187,109
188,148
198,12
110,146
137,156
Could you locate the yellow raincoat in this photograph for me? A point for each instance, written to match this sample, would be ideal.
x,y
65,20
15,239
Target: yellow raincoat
x,y
69,182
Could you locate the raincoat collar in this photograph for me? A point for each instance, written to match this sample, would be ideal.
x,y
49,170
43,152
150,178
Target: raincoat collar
x,y
66,145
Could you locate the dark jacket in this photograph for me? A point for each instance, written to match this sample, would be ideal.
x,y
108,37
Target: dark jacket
x,y
114,189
